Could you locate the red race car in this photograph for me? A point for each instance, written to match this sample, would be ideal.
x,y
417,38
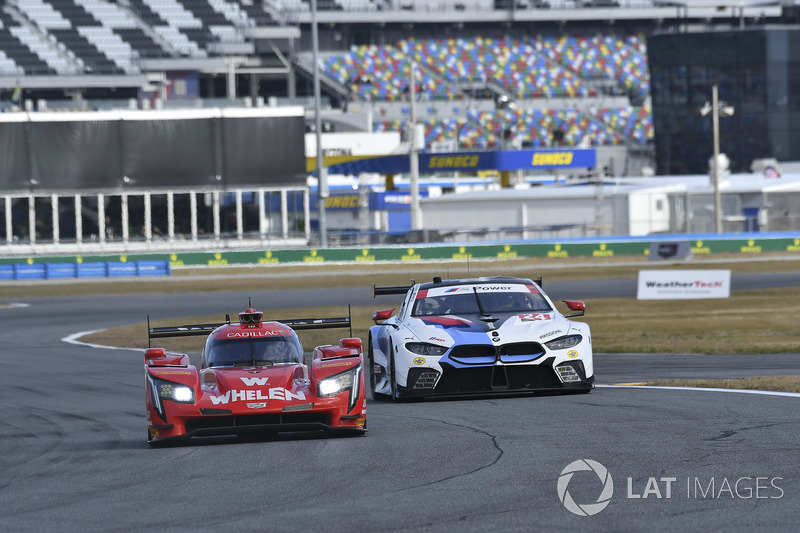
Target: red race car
x,y
253,379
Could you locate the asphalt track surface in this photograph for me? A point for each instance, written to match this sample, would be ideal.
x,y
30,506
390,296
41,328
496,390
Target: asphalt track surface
x,y
73,455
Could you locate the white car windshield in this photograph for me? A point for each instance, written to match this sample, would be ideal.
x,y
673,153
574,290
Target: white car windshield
x,y
248,351
466,302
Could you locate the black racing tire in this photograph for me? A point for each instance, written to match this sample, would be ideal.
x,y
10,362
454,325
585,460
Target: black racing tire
x,y
377,396
393,380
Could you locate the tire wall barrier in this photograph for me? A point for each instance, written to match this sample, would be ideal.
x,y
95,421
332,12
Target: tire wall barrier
x,y
587,249
83,269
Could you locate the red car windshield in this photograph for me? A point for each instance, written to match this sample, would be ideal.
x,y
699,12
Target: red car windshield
x,y
248,351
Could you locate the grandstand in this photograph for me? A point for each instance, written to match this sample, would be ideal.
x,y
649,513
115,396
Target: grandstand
x,y
576,67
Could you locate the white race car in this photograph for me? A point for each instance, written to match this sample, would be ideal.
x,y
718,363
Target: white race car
x,y
493,335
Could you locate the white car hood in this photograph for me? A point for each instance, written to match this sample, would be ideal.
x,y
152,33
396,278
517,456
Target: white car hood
x,y
509,327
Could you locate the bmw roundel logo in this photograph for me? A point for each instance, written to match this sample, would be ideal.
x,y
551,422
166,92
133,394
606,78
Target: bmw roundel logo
x,y
496,339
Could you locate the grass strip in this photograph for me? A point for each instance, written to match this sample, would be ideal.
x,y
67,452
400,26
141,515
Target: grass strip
x,y
763,383
762,321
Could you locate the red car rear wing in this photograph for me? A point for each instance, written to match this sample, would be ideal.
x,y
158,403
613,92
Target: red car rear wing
x,y
180,331
188,330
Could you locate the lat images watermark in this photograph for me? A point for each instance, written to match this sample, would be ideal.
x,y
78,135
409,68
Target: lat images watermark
x,y
663,487
586,509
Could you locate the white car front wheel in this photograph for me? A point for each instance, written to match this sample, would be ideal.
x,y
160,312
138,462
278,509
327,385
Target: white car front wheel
x,y
393,379
374,377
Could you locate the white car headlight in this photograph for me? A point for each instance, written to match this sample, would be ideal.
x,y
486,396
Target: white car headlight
x,y
423,348
562,343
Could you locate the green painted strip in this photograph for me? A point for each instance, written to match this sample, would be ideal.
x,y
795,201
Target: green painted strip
x,y
598,249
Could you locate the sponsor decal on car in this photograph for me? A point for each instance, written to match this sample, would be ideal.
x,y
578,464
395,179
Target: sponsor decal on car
x,y
329,365
437,339
259,405
419,360
572,353
171,372
275,393
461,289
264,333
532,317
549,333
254,381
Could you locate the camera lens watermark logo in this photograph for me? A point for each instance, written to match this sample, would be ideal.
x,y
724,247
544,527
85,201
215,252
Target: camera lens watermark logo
x,y
586,509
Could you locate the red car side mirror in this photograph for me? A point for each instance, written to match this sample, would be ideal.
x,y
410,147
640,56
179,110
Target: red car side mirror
x,y
382,314
575,305
351,342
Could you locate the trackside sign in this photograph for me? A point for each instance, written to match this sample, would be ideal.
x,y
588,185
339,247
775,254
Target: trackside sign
x,y
683,284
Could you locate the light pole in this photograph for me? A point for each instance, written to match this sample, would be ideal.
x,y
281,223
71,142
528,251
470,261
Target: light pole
x,y
715,111
502,104
416,222
322,175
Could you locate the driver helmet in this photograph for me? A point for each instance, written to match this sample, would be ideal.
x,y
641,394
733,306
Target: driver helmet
x,y
276,350
508,301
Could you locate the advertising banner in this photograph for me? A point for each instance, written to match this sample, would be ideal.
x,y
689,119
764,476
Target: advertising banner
x,y
430,162
683,284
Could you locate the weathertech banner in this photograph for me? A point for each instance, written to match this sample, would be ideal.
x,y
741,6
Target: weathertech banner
x,y
683,284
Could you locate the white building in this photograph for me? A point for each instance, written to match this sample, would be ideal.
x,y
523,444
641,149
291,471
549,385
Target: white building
x,y
624,206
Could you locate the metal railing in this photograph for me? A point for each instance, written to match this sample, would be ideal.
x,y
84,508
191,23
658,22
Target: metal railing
x,y
89,222
114,221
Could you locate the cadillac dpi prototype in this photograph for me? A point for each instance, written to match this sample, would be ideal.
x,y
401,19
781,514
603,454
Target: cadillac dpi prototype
x,y
493,335
252,379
